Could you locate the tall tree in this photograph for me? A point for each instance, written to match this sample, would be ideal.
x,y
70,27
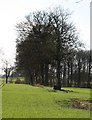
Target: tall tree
x,y
43,39
66,36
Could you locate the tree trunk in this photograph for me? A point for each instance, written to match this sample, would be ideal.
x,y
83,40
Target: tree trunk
x,y
46,74
79,75
30,78
58,73
68,84
58,60
64,75
75,78
71,82
89,72
6,75
83,76
42,74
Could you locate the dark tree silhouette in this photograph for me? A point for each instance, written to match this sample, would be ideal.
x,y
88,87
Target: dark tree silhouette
x,y
49,52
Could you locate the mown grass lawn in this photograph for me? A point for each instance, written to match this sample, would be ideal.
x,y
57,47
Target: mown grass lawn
x,y
25,101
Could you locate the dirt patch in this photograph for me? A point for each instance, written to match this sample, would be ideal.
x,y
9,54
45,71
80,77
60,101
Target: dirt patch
x,y
76,103
81,104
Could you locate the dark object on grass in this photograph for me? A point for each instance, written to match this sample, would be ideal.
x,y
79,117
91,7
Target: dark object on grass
x,y
57,87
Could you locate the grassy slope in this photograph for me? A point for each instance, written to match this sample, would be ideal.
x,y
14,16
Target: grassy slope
x,y
24,101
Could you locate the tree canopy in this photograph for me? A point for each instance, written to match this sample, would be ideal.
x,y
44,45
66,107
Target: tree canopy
x,y
46,48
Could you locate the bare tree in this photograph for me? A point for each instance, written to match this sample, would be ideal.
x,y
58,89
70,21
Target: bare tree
x,y
7,69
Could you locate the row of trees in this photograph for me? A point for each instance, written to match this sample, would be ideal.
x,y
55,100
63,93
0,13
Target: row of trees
x,y
49,52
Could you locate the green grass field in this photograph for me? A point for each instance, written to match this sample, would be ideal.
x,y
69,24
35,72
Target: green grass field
x,y
25,101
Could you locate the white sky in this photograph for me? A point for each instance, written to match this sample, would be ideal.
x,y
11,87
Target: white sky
x,y
13,11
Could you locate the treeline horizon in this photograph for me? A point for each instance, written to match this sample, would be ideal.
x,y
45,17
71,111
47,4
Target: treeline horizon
x,y
49,52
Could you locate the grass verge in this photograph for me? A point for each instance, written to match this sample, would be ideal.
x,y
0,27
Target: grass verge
x,y
25,101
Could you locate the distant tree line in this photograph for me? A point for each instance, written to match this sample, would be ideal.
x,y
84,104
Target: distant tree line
x,y
49,52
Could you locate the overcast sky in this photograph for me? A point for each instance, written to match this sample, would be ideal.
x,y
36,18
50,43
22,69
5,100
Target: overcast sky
x,y
14,11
